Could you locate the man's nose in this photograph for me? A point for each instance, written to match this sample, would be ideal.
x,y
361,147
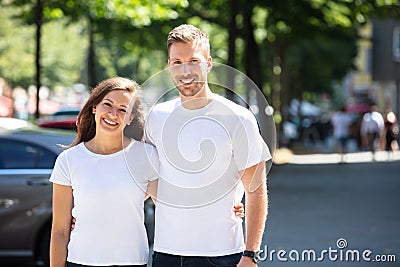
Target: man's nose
x,y
186,69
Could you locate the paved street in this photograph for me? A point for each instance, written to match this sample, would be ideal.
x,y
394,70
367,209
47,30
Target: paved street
x,y
318,202
312,206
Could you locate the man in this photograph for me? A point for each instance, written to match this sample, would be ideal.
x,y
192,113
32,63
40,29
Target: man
x,y
371,129
341,122
210,153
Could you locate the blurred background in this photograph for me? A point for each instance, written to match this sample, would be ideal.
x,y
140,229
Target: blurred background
x,y
308,58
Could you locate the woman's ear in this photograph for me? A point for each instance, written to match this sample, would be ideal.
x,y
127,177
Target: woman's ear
x,y
130,119
94,109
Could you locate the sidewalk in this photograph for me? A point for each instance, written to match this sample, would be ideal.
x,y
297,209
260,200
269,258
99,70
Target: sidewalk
x,y
285,156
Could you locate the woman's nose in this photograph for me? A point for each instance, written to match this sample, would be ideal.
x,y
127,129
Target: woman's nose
x,y
113,112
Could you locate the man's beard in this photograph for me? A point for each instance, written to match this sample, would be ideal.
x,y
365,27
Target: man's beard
x,y
192,90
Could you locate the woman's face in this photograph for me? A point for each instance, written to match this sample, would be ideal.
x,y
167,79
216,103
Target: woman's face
x,y
114,112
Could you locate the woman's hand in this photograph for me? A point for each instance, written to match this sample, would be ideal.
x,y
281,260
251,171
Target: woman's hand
x,y
73,223
238,209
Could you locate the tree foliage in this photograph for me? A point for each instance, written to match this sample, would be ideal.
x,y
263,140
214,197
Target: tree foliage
x,y
16,52
288,47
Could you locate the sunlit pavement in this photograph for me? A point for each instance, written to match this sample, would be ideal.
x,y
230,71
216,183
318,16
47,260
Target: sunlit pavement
x,y
318,205
283,156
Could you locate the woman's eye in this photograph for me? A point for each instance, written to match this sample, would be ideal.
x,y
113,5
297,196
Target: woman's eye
x,y
122,110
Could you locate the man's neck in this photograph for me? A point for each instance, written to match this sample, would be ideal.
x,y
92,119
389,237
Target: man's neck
x,y
198,101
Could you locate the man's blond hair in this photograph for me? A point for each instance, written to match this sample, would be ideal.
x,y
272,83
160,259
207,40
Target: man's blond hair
x,y
187,33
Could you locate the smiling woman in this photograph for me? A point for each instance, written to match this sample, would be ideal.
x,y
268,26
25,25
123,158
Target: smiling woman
x,y
103,163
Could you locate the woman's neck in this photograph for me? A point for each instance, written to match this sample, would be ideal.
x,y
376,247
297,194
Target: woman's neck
x,y
107,145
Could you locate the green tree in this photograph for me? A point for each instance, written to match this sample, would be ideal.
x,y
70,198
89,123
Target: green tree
x,y
111,20
98,15
16,54
304,38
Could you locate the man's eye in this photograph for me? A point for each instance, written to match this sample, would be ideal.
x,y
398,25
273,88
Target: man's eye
x,y
122,110
176,62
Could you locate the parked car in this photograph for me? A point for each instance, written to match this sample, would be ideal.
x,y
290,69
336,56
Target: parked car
x,y
27,156
67,111
63,119
62,122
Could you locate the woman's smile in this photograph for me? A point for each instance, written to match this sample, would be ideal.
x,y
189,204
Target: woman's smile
x,y
113,123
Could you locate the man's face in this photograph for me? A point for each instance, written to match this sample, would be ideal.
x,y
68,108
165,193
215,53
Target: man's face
x,y
189,67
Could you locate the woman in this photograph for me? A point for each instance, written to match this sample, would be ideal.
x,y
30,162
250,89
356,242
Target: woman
x,y
101,180
94,184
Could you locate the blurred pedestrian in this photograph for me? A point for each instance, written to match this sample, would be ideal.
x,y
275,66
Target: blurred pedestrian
x,y
391,133
372,126
341,122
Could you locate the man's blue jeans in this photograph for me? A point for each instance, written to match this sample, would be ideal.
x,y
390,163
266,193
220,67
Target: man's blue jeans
x,y
168,260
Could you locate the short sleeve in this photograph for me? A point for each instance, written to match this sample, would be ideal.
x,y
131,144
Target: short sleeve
x,y
154,163
142,162
147,129
60,173
249,147
147,137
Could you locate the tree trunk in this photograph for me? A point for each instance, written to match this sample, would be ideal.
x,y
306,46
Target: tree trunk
x,y
285,83
252,60
253,70
232,31
91,57
38,22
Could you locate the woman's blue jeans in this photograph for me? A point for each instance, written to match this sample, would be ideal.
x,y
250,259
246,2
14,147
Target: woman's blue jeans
x,y
70,264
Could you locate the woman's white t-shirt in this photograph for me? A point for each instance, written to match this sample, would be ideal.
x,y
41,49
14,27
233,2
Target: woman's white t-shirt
x,y
108,193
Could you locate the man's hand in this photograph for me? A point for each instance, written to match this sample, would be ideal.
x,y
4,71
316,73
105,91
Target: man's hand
x,y
246,262
254,181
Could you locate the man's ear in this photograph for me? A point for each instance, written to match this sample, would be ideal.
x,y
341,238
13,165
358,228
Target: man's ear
x,y
209,64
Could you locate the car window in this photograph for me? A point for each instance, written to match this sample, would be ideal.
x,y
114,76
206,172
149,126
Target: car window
x,y
23,155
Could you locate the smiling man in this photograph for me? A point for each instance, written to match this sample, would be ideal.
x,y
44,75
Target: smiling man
x,y
211,154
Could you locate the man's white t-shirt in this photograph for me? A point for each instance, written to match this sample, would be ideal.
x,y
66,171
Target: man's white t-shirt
x,y
108,193
372,122
201,153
